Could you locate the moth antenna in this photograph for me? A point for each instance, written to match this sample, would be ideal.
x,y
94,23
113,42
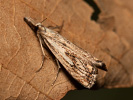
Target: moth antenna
x,y
43,20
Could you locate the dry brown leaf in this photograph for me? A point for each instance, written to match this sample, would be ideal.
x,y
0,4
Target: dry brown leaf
x,y
20,54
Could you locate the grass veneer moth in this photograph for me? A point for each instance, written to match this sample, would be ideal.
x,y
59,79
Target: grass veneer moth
x,y
81,65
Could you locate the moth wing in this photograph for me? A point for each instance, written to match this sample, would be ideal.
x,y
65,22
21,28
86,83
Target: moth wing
x,y
76,61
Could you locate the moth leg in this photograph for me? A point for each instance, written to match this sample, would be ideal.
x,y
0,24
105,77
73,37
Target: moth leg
x,y
61,27
58,64
52,27
57,27
43,54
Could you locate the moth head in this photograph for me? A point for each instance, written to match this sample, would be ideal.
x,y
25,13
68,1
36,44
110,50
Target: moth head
x,y
35,27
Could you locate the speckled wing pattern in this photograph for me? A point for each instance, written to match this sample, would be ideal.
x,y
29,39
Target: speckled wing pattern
x,y
76,61
82,66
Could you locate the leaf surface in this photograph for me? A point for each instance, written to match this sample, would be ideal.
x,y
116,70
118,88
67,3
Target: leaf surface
x,y
110,40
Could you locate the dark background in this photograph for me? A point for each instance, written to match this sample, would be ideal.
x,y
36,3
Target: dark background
x,y
101,94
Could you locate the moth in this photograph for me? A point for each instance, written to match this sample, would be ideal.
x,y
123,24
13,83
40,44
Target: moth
x,y
81,65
